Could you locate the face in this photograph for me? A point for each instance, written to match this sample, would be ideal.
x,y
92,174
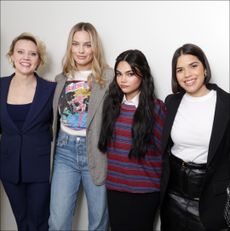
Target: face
x,y
25,57
190,74
82,50
127,80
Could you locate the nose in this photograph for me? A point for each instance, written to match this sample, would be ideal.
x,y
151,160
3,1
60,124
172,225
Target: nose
x,y
187,72
26,55
123,78
81,49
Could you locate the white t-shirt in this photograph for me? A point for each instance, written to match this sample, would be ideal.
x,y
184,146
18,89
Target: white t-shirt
x,y
192,127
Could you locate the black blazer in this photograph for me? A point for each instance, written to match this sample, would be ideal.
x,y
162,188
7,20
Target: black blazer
x,y
213,195
25,154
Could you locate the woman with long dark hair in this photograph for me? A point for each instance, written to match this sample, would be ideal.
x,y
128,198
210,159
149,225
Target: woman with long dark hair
x,y
130,136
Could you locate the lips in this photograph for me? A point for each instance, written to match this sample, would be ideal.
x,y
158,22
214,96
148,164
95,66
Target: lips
x,y
123,86
25,64
81,57
189,82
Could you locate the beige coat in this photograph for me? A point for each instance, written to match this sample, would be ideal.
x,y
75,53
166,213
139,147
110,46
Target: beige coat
x,y
97,161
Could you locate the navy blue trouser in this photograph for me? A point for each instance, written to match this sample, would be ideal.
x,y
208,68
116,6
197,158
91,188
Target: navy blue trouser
x,y
30,204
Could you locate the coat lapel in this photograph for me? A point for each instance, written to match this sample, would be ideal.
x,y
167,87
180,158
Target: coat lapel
x,y
61,80
172,108
5,84
220,123
96,97
41,96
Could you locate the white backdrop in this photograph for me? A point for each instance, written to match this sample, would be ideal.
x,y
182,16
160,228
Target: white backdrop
x,y
157,28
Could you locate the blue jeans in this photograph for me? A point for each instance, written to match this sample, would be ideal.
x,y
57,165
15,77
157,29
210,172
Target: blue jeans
x,y
70,169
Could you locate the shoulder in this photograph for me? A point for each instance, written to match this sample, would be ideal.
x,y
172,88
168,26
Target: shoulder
x,y
173,97
170,97
60,77
5,78
225,96
108,73
219,90
159,102
160,107
45,82
221,94
5,81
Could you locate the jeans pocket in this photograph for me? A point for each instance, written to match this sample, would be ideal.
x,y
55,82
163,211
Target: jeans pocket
x,y
62,139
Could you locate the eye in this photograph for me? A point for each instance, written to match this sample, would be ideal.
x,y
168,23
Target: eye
x,y
20,52
194,65
178,70
118,74
34,54
88,45
74,43
130,74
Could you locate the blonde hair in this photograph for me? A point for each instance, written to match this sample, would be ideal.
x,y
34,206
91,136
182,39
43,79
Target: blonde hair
x,y
28,36
98,62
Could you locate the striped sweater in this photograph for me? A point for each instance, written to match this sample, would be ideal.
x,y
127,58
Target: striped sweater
x,y
132,175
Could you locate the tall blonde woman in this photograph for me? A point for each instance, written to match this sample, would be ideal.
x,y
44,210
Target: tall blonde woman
x,y
77,105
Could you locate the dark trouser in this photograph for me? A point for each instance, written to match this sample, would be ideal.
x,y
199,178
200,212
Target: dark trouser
x,y
180,211
30,204
132,211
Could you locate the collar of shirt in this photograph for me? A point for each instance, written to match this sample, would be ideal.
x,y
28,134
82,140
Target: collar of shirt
x,y
134,101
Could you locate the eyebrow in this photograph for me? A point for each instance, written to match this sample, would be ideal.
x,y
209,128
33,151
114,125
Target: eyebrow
x,y
22,49
74,41
195,62
125,71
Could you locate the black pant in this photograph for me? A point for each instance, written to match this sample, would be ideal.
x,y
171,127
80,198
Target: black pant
x,y
132,211
180,210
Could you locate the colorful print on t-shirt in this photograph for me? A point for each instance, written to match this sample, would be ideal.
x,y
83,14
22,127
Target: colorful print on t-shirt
x,y
74,103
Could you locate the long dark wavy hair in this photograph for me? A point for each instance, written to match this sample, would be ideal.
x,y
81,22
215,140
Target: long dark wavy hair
x,y
143,121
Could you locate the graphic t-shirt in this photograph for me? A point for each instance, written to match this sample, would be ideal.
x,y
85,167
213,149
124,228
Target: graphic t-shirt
x,y
74,101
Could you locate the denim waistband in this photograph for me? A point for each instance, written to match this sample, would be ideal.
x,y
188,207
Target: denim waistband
x,y
65,136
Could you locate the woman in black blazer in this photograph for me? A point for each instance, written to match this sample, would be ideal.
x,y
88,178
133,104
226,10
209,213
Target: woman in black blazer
x,y
25,125
196,146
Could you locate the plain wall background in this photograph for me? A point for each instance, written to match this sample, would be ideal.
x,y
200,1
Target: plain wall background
x,y
157,28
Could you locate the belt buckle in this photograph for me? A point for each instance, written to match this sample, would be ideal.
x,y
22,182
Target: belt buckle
x,y
183,165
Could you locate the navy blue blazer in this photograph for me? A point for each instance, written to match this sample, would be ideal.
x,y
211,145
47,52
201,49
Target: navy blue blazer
x,y
25,153
213,193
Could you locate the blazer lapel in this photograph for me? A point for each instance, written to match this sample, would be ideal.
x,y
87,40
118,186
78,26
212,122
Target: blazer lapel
x,y
42,93
59,88
96,97
220,123
5,84
172,108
